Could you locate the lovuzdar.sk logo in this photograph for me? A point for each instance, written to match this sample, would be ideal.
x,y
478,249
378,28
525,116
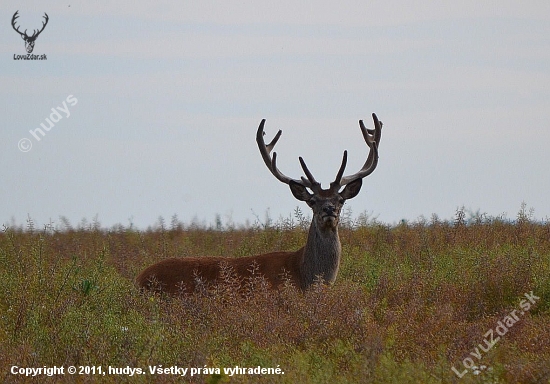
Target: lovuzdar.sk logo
x,y
29,40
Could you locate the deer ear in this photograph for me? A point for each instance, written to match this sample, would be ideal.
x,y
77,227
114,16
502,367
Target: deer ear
x,y
352,189
299,191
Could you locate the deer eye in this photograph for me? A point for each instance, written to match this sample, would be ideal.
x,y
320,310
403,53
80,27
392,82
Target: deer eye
x,y
341,201
311,202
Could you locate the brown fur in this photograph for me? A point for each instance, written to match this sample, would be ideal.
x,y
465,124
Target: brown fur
x,y
180,274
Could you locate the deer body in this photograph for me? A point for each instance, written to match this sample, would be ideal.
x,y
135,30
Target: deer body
x,y
318,259
182,274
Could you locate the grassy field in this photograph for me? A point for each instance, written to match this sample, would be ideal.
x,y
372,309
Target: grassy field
x,y
465,301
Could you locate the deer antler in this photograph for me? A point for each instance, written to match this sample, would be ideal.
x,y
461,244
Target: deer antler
x,y
35,32
271,162
13,19
372,138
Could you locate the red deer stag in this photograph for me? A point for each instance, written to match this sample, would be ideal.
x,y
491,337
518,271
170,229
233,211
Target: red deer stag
x,y
319,258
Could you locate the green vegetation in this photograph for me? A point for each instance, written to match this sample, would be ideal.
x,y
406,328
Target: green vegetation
x,y
411,302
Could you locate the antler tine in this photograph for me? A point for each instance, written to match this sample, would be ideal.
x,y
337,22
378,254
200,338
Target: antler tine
x,y
335,185
372,138
271,163
310,182
266,150
377,131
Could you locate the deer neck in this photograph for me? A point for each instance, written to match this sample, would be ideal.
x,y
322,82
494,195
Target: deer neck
x,y
321,257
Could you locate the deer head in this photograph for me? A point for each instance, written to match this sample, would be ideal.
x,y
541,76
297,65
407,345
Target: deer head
x,y
29,40
325,203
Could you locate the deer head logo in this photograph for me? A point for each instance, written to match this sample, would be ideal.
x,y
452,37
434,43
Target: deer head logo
x,y
29,40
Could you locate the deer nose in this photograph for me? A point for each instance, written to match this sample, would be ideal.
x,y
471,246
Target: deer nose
x,y
329,210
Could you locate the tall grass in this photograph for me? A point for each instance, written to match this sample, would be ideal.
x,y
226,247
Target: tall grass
x,y
411,301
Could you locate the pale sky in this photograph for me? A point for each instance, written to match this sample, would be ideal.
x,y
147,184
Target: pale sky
x,y
163,100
